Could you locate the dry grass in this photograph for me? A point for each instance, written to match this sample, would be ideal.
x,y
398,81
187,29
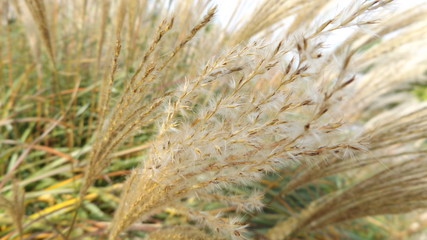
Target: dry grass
x,y
195,114
398,189
38,11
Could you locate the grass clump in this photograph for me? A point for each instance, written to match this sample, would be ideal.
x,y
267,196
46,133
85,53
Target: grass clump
x,y
142,119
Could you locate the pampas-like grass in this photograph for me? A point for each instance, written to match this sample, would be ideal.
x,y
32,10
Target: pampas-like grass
x,y
398,189
392,129
129,115
239,134
389,137
225,107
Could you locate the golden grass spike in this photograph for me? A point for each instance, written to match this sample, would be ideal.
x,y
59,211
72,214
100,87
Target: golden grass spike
x,y
120,18
102,32
164,27
114,135
206,19
38,11
107,82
